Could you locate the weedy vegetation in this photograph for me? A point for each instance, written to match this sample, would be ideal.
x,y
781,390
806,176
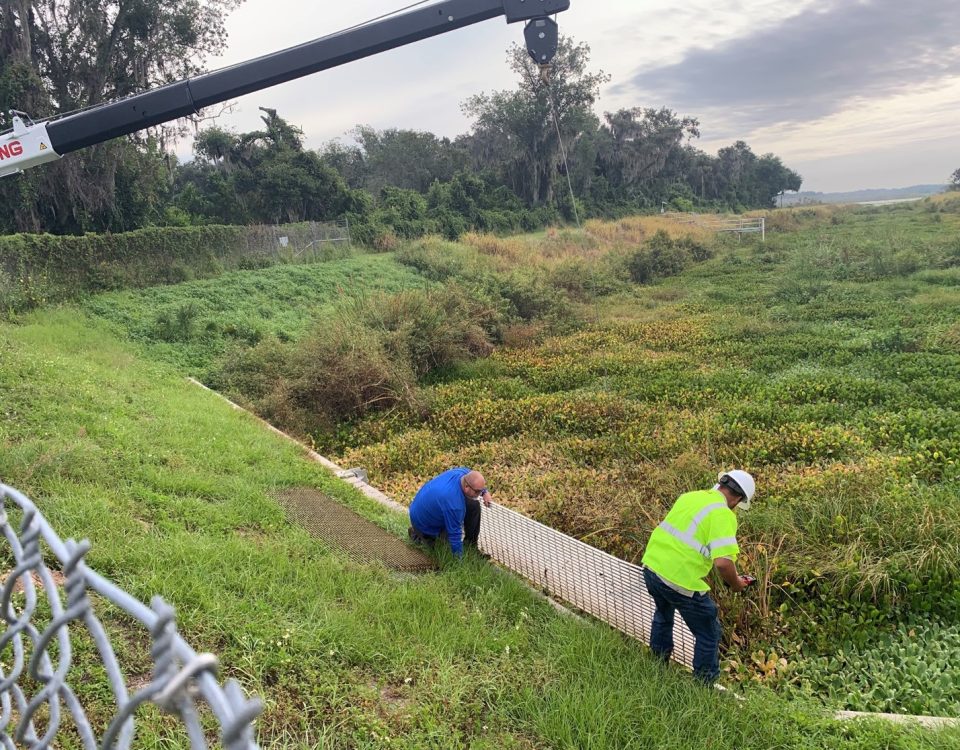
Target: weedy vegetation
x,y
593,376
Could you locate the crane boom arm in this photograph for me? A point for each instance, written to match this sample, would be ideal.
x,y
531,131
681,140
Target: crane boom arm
x,y
30,144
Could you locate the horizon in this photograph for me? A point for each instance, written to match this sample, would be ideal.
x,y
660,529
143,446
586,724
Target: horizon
x,y
944,185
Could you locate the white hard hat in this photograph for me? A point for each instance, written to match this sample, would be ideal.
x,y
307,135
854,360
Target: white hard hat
x,y
741,483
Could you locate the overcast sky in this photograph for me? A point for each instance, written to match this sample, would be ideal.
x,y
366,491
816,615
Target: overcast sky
x,y
850,93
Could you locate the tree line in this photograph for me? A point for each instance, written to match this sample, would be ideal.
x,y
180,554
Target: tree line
x,y
508,173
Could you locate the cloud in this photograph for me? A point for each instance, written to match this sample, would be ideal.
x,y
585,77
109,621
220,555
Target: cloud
x,y
811,66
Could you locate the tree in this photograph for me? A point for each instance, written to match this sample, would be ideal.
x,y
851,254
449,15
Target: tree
x,y
407,159
348,160
514,132
770,178
642,154
265,176
218,146
58,56
955,180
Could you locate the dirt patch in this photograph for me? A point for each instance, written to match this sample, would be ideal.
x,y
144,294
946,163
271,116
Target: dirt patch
x,y
58,580
394,697
343,529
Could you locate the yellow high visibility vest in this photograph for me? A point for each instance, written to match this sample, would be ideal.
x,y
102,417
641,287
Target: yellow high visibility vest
x,y
697,530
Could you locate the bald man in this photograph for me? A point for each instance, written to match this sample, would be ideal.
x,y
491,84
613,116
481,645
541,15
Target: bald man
x,y
449,505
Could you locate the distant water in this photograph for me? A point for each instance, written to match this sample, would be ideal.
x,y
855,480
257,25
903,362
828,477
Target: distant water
x,y
888,202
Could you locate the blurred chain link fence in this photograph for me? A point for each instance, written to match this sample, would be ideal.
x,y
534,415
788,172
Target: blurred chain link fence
x,y
41,606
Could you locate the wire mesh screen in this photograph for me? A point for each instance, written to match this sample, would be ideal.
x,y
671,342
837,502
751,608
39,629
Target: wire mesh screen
x,y
305,241
605,586
340,527
43,608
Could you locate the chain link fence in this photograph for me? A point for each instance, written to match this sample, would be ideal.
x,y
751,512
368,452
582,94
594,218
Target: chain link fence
x,y
40,608
307,241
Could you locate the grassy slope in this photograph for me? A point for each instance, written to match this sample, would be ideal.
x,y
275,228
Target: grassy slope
x,y
190,324
171,487
834,378
827,361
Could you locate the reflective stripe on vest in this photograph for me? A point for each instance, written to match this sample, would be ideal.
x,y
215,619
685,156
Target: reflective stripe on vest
x,y
687,537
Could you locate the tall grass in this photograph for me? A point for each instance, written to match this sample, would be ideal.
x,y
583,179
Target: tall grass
x,y
822,361
172,489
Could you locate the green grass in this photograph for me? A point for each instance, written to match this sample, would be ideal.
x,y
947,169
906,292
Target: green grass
x,y
827,361
172,488
193,323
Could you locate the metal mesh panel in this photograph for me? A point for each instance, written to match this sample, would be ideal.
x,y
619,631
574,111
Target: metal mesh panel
x,y
36,651
339,526
605,586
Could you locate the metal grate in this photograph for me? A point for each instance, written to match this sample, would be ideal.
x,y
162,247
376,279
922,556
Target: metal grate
x,y
340,527
605,586
36,651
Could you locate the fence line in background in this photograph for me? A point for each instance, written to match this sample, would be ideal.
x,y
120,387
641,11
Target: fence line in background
x,y
308,240
36,650
717,223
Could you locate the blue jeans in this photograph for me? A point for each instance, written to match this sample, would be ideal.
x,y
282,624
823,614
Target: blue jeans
x,y
699,612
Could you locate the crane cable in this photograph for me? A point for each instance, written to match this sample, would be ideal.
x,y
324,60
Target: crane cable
x,y
545,78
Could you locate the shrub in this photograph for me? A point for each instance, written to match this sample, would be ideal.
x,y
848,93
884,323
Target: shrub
x,y
584,280
251,374
343,370
450,224
531,297
366,233
662,256
178,325
23,292
538,218
366,356
437,259
430,330
386,242
405,211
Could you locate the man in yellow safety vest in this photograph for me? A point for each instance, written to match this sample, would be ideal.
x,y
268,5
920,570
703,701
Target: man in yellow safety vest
x,y
698,535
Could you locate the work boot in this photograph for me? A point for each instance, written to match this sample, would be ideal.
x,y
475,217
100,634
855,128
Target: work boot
x,y
417,538
476,550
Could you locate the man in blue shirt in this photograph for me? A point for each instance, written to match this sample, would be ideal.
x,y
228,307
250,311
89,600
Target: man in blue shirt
x,y
449,505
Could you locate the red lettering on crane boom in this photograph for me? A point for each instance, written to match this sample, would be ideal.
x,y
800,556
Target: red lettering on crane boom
x,y
8,151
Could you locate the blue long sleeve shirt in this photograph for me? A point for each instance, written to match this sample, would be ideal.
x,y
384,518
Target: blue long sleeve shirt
x,y
440,505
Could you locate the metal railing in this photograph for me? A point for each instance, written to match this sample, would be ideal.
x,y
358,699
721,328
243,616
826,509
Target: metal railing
x,y
305,241
717,223
594,581
323,234
36,652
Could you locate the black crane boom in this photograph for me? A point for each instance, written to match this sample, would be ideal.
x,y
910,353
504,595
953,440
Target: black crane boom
x,y
28,145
